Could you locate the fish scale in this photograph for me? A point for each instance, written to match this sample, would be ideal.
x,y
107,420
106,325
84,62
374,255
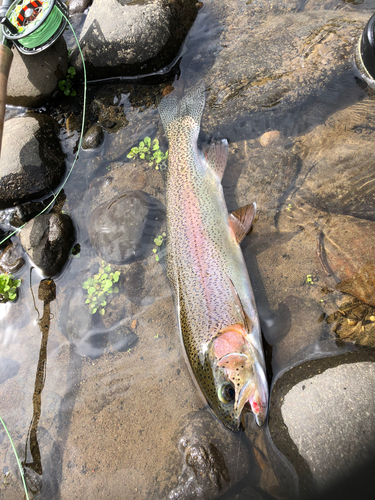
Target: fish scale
x,y
204,261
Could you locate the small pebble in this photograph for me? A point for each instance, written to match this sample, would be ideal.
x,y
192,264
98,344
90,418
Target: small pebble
x,y
273,138
93,138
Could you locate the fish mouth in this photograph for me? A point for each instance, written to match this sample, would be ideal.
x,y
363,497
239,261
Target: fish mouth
x,y
252,397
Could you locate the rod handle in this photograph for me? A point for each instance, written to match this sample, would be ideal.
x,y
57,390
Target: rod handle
x,y
6,56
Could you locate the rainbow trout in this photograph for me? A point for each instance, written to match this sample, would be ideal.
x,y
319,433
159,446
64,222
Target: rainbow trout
x,y
215,304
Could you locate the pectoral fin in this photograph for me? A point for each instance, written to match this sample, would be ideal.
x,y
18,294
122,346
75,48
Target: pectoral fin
x,y
241,221
216,155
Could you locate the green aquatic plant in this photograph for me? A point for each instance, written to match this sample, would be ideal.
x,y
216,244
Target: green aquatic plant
x,y
99,287
8,287
66,85
154,156
309,279
158,242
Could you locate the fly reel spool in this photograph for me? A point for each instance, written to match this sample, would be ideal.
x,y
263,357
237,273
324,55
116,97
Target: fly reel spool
x,y
34,25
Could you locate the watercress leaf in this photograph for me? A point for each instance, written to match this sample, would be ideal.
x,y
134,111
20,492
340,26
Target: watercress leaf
x,y
115,289
157,258
104,303
93,311
67,92
115,278
142,156
107,269
155,144
147,141
72,70
91,290
87,301
102,312
73,93
141,145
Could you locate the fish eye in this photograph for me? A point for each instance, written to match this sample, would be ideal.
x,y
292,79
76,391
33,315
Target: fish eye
x,y
226,393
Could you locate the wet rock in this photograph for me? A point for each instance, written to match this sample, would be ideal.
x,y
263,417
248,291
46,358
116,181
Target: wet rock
x,y
34,79
109,115
115,309
11,259
122,37
321,420
137,288
8,369
121,230
122,338
24,213
15,315
32,163
78,6
338,162
47,240
348,256
275,67
77,325
304,332
271,176
210,457
93,138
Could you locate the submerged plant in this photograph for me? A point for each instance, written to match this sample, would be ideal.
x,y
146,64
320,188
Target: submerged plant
x,y
66,85
154,156
158,242
99,287
309,279
8,287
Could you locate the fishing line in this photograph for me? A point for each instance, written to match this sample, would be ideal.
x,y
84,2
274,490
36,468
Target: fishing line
x,y
80,139
18,461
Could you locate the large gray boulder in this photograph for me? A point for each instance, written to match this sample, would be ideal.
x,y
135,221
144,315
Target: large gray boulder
x,y
122,37
33,79
322,420
32,163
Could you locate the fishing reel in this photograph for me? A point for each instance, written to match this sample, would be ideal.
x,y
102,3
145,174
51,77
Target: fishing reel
x,y
34,25
365,53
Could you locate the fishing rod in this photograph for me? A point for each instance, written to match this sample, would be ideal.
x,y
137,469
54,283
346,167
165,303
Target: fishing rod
x,y
31,26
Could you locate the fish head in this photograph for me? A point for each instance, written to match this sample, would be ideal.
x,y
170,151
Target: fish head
x,y
239,377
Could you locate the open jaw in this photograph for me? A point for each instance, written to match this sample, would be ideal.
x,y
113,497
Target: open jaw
x,y
244,377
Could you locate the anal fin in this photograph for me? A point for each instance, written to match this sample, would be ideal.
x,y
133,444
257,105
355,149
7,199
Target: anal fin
x,y
216,155
241,221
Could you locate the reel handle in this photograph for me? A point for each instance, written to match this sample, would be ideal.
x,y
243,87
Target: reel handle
x,y
6,57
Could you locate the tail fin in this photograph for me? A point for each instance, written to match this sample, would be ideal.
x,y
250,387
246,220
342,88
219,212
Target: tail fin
x,y
192,104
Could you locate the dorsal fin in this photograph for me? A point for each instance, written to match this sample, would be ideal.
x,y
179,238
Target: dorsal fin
x,y
241,221
216,155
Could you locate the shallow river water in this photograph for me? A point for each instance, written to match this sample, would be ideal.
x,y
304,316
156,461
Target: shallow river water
x,y
104,406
